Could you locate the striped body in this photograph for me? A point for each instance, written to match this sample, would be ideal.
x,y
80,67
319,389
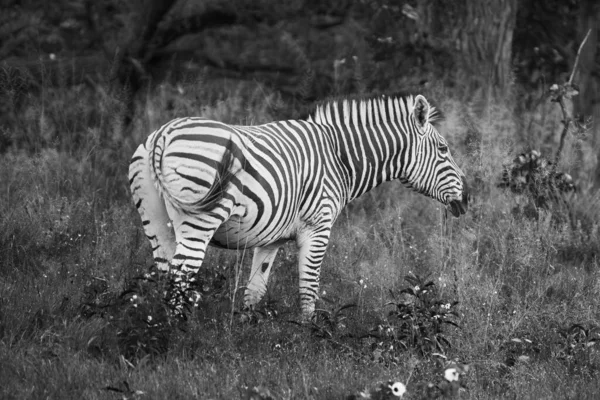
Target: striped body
x,y
197,181
269,197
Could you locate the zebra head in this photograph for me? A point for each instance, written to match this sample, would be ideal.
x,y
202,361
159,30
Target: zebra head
x,y
430,168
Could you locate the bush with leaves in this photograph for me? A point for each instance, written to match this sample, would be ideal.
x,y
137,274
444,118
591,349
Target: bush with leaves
x,y
574,345
327,324
137,319
417,321
534,176
580,348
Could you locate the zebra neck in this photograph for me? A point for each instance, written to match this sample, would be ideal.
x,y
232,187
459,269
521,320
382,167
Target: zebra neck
x,y
369,144
367,164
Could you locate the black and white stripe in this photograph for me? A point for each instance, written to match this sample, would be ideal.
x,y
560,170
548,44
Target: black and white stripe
x,y
197,181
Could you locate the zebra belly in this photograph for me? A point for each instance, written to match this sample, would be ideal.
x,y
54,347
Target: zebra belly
x,y
235,234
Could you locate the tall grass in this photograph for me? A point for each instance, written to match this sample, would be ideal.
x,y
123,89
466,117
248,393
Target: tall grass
x,y
80,319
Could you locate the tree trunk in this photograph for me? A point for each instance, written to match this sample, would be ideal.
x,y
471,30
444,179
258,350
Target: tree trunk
x,y
131,66
483,37
481,34
587,104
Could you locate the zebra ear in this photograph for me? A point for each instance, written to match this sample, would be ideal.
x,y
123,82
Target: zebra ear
x,y
421,110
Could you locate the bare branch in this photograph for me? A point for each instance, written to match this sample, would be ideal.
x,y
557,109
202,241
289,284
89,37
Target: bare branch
x,y
578,53
559,94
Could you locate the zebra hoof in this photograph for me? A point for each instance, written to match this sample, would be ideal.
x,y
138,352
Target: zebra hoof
x,y
308,314
248,317
253,314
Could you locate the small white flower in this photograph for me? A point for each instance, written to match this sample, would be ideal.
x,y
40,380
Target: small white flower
x,y
451,374
417,288
398,389
149,318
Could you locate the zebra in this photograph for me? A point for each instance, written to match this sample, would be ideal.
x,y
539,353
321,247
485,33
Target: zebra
x,y
197,181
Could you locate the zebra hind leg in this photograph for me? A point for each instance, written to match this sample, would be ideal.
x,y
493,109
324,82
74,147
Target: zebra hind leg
x,y
193,235
152,210
262,262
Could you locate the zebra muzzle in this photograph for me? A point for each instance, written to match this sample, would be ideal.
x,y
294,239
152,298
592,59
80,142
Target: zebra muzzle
x,y
458,207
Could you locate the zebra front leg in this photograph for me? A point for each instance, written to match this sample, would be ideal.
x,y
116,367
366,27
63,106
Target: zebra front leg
x,y
312,248
262,261
193,234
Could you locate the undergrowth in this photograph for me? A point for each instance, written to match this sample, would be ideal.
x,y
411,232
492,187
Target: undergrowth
x,y
406,291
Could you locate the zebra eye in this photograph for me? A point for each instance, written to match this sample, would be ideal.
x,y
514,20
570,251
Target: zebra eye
x,y
443,148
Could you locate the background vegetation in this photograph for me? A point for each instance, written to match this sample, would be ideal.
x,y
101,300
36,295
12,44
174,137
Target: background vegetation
x,y
512,289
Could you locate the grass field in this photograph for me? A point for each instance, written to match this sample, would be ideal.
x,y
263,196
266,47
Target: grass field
x,y
79,320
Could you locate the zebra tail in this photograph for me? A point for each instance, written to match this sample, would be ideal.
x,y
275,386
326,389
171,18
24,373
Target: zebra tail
x,y
223,176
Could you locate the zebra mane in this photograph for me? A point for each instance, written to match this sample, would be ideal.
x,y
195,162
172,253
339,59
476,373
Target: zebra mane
x,y
323,110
